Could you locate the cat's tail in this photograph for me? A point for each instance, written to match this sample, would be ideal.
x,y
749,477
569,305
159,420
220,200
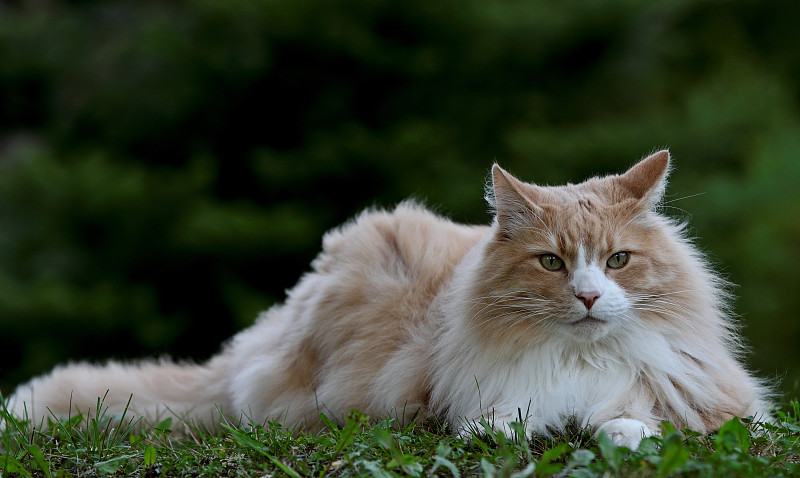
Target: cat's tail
x,y
152,390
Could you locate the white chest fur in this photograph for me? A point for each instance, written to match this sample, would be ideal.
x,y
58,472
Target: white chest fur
x,y
546,387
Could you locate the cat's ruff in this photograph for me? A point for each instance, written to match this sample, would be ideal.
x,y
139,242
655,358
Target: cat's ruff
x,y
579,302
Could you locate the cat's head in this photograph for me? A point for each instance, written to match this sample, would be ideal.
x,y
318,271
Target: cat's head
x,y
582,260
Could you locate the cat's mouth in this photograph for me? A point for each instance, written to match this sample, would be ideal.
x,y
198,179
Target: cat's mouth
x,y
588,320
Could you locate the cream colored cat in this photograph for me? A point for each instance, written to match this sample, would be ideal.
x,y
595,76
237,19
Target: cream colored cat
x,y
577,302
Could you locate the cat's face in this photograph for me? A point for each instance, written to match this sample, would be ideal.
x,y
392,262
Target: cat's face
x,y
574,260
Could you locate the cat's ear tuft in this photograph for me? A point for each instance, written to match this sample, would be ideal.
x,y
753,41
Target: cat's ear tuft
x,y
512,209
646,181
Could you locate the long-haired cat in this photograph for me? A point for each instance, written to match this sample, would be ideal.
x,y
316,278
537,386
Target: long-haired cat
x,y
579,302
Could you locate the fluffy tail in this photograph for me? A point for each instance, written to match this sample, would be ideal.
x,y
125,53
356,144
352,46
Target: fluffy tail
x,y
156,390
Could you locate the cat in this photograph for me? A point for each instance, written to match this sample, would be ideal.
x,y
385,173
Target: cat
x,y
578,303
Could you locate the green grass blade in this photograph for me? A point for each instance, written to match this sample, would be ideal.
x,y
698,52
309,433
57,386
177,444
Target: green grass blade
x,y
284,468
39,459
12,465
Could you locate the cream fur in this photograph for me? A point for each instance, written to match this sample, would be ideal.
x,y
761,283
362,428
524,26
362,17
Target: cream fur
x,y
406,311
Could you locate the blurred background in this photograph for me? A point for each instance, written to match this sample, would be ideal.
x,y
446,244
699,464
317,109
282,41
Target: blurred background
x,y
167,168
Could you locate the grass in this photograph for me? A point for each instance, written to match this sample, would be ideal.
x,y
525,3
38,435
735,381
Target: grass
x,y
102,445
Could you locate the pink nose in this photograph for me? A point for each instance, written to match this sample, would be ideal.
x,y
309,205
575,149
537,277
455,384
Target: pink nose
x,y
588,297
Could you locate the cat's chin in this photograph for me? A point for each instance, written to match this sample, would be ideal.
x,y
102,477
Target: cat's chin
x,y
588,328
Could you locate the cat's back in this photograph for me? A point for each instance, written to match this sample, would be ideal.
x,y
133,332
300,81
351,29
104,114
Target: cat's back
x,y
408,251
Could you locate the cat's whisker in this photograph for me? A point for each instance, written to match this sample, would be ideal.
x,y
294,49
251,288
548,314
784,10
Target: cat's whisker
x,y
507,297
660,311
509,294
684,197
681,210
513,301
546,234
508,311
494,301
518,315
550,235
670,304
620,230
527,321
646,296
665,300
662,302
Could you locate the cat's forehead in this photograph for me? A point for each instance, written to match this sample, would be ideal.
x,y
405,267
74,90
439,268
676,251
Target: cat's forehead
x,y
591,198
585,218
603,190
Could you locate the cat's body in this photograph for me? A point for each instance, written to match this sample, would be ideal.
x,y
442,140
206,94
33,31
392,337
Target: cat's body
x,y
578,302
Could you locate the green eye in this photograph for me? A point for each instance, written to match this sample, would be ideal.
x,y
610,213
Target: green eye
x,y
617,260
551,262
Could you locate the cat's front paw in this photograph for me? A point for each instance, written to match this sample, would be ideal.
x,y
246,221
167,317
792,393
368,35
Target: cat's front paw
x,y
625,432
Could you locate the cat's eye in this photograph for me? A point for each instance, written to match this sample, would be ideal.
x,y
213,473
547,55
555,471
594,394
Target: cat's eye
x,y
617,260
551,262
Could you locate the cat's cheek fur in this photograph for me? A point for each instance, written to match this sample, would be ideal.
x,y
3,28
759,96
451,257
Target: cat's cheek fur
x,y
625,432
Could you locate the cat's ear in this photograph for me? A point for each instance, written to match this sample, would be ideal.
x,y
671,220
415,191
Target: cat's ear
x,y
646,181
512,207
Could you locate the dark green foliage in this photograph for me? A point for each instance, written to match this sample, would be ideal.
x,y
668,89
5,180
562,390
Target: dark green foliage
x,y
167,168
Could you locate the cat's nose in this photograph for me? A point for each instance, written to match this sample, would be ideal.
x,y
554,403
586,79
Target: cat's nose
x,y
588,297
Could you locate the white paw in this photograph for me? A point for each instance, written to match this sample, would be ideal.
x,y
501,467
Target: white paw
x,y
625,432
